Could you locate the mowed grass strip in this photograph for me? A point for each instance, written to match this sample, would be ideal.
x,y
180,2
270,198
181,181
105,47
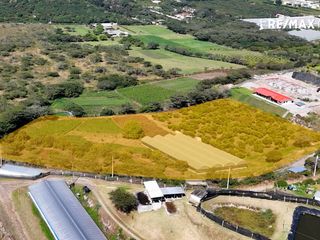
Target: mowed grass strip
x,y
198,155
245,95
187,65
146,93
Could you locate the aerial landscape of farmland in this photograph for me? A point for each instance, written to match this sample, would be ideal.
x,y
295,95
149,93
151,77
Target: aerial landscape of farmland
x,y
159,119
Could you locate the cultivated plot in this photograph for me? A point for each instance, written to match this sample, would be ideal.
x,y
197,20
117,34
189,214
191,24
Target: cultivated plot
x,y
198,154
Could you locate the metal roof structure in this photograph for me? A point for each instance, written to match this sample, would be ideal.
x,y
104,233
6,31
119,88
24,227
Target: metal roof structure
x,y
297,169
172,191
8,170
317,196
153,189
63,213
273,95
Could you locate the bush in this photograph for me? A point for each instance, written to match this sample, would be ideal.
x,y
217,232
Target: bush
x,y
274,156
127,109
309,182
107,112
281,184
75,109
114,81
132,130
123,200
143,198
53,74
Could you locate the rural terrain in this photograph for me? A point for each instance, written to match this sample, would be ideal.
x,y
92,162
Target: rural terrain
x,y
171,119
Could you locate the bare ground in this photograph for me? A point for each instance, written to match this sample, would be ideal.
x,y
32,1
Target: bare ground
x,y
209,75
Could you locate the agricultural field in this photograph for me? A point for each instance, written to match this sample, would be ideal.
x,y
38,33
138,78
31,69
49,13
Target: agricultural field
x,y
198,155
92,102
165,37
244,95
89,144
265,141
187,65
146,93
179,85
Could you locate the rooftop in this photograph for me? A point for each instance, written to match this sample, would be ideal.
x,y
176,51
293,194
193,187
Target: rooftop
x,y
9,170
272,94
63,213
153,189
172,190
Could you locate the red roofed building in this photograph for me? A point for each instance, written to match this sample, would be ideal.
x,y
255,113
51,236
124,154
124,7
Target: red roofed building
x,y
272,95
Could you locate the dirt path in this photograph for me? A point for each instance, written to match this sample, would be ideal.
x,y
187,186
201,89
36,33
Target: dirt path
x,y
101,199
16,226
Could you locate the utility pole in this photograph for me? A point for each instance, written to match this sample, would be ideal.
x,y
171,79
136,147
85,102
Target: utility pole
x,y
228,182
315,166
112,167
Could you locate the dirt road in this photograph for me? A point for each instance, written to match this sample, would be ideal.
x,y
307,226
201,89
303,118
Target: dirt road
x,y
11,220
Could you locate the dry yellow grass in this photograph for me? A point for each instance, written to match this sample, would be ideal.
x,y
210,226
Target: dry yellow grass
x,y
198,154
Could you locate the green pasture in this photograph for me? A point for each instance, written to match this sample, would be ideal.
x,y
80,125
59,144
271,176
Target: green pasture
x,y
93,102
164,36
146,93
181,85
188,65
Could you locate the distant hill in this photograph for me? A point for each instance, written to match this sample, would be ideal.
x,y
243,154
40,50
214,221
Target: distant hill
x,y
80,11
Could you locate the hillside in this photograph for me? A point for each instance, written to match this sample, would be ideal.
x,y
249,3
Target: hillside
x,y
264,141
86,11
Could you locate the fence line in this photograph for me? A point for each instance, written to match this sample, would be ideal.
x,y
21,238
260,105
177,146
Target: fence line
x,y
212,193
106,177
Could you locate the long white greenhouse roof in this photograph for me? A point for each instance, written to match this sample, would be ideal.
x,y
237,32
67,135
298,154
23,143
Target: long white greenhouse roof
x,y
8,170
62,212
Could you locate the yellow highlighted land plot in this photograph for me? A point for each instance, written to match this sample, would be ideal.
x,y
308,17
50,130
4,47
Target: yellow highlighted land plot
x,y
199,155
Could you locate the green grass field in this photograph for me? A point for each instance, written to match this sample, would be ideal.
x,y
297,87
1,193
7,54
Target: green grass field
x,y
164,36
146,93
93,102
188,65
245,95
76,29
180,85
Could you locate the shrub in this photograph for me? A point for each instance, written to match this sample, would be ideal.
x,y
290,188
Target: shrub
x,y
274,156
107,112
281,184
127,109
123,200
132,130
53,74
143,198
75,109
309,181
